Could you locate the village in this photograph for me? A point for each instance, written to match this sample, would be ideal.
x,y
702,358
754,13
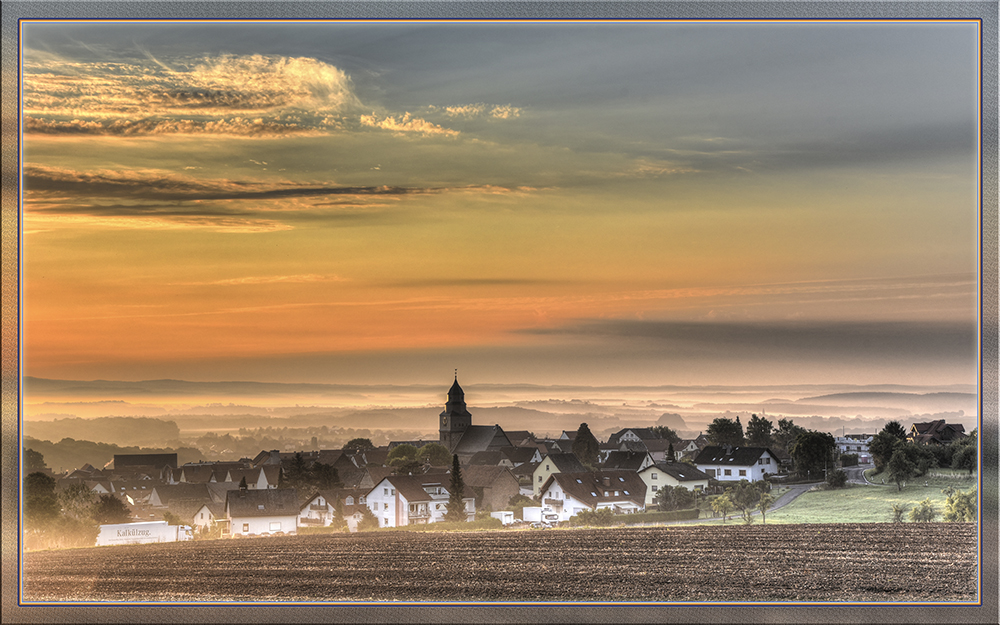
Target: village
x,y
511,476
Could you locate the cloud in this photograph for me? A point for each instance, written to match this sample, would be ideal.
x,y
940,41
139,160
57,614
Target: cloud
x,y
251,280
406,124
235,127
506,111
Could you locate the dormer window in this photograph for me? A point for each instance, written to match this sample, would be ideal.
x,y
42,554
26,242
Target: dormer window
x,y
260,506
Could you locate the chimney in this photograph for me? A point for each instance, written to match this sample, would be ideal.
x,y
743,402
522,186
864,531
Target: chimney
x,y
607,481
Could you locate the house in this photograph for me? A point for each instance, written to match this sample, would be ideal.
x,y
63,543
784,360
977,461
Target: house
x,y
554,463
568,494
674,474
493,485
521,438
491,458
687,448
634,435
400,500
936,432
521,455
262,512
319,510
259,478
855,444
732,464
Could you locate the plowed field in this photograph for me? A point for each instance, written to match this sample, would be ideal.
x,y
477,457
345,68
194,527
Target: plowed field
x,y
864,562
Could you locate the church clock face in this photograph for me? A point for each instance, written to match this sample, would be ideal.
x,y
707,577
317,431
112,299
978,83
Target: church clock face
x,y
444,420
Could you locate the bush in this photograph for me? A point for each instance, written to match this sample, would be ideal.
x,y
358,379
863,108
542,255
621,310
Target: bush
x,y
602,517
898,510
924,512
849,460
836,479
960,506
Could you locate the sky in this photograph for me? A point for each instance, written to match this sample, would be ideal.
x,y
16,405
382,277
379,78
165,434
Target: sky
x,y
549,203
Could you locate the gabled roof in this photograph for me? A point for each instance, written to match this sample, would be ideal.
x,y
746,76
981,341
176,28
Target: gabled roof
x,y
936,432
528,468
411,487
566,463
642,433
478,438
168,492
490,457
519,455
680,471
734,456
262,502
485,476
517,437
628,460
590,487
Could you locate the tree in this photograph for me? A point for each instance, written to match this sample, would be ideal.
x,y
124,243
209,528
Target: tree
x,y
456,507
898,510
243,483
674,498
881,448
812,452
665,433
518,503
744,497
723,431
924,512
358,444
764,504
601,517
77,502
297,474
324,476
400,454
960,506
41,505
759,432
899,467
894,429
172,519
434,454
368,520
722,505
585,445
786,434
110,509
965,458
34,462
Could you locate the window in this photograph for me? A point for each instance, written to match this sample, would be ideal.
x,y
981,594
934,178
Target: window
x,y
539,479
710,472
385,521
743,472
260,506
385,506
652,476
246,527
392,491
621,479
655,487
275,526
546,467
729,472
385,491
349,501
202,515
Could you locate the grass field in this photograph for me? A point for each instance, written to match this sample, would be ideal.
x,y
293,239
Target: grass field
x,y
870,504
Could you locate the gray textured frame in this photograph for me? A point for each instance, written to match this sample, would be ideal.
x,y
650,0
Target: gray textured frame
x,y
16,10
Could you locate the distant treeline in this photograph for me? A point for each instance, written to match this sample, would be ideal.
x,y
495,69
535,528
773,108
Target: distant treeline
x,y
69,454
113,430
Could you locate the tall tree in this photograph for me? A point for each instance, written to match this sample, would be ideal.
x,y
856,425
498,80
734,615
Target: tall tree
x,y
357,444
745,497
456,507
324,476
665,433
434,454
723,431
41,504
881,447
812,452
585,445
764,504
759,432
895,429
34,462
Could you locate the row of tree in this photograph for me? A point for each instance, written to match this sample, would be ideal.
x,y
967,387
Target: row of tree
x,y
66,518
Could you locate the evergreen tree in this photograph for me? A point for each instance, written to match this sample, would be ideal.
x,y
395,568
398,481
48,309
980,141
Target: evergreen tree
x,y
243,482
896,430
456,507
585,446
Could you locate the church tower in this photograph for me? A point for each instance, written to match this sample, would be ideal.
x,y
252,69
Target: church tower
x,y
455,419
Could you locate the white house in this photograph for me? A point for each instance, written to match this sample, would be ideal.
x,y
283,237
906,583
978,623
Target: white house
x,y
672,474
568,494
400,500
855,444
553,463
732,464
255,512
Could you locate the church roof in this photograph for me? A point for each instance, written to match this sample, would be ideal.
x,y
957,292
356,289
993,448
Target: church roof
x,y
480,438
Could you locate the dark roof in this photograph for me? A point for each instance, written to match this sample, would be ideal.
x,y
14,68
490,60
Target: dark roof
x,y
736,456
519,455
263,502
590,487
527,468
490,457
411,487
629,460
642,433
566,463
485,476
478,438
936,432
518,436
169,492
680,471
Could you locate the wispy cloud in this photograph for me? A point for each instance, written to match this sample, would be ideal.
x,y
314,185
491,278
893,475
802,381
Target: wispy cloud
x,y
254,280
469,111
406,124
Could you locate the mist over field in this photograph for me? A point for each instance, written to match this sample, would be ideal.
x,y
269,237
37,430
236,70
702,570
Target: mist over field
x,y
181,410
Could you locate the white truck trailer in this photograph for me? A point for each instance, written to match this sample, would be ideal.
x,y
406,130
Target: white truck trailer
x,y
145,532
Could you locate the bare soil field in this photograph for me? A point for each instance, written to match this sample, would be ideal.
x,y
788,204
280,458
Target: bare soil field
x,y
842,562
